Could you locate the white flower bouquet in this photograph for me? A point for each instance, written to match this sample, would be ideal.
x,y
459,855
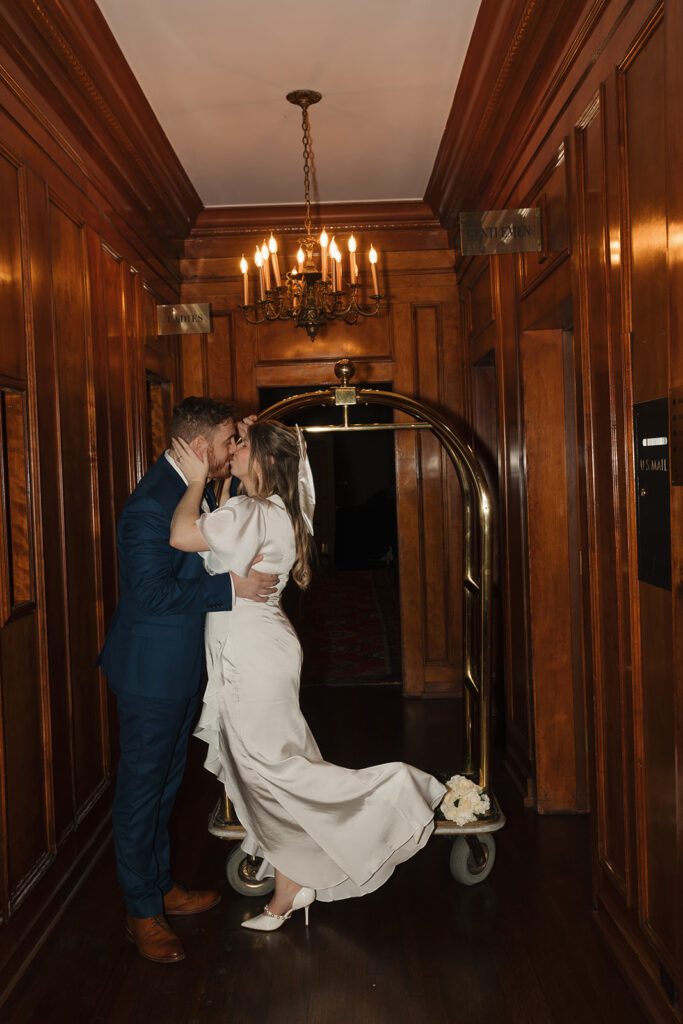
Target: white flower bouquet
x,y
464,801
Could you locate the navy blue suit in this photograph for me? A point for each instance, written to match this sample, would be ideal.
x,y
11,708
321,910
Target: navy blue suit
x,y
152,658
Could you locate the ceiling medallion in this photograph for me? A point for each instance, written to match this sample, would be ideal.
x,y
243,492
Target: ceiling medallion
x,y
319,288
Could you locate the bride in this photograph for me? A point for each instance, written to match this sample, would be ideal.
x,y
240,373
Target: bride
x,y
323,831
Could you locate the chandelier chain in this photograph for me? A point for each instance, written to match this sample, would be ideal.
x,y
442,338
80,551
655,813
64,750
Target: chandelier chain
x,y
316,292
307,169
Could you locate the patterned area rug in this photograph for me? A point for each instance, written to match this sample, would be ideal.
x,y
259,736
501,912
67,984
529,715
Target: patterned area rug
x,y
349,627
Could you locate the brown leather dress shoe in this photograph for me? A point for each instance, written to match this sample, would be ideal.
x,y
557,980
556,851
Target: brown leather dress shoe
x,y
155,939
179,901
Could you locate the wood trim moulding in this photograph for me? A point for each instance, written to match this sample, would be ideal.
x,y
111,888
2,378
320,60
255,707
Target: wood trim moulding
x,y
487,64
387,215
314,373
515,50
47,903
639,968
61,57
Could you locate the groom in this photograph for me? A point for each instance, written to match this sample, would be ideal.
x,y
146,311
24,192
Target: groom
x,y
152,658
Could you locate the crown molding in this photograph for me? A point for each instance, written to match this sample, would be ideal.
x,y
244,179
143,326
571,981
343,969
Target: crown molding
x,y
386,215
400,225
520,55
62,63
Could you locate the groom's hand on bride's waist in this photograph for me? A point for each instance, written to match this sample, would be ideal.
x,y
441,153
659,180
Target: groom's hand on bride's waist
x,y
257,586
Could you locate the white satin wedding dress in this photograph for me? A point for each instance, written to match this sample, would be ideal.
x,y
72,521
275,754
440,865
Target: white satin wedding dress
x,y
337,830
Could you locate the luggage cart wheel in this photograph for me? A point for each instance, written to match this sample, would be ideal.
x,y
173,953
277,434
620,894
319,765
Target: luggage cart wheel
x,y
472,858
240,870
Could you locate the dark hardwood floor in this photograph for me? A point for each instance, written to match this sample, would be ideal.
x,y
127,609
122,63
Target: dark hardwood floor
x,y
519,948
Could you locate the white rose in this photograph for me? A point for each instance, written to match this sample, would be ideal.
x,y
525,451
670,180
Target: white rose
x,y
464,801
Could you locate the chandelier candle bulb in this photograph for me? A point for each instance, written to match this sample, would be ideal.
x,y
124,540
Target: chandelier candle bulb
x,y
300,257
258,260
373,268
352,259
265,256
244,267
272,245
323,253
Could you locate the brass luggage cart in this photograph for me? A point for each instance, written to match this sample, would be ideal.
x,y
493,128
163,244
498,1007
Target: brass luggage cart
x,y
473,845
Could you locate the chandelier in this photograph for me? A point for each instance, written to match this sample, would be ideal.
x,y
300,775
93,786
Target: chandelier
x,y
322,286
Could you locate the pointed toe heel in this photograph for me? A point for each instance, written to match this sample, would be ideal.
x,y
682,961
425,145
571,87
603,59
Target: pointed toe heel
x,y
303,899
270,922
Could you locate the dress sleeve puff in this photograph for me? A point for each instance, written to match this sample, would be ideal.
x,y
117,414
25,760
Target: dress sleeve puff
x,y
235,533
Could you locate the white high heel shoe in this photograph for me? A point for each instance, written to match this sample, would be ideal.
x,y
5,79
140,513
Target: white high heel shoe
x,y
269,922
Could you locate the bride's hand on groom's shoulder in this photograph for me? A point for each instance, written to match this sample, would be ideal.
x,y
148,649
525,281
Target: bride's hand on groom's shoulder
x,y
195,468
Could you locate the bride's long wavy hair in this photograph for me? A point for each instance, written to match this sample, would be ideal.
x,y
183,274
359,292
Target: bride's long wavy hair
x,y
274,467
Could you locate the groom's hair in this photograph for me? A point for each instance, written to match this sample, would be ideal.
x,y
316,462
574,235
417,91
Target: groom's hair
x,y
194,416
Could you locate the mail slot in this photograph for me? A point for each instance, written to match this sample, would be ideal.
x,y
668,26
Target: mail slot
x,y
651,425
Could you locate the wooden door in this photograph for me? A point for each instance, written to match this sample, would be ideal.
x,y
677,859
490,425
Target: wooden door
x,y
554,569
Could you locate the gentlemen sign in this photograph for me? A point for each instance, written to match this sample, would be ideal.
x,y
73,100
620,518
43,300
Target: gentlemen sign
x,y
188,318
500,231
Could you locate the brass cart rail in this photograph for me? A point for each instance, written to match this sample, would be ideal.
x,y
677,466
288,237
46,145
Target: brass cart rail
x,y
478,536
473,851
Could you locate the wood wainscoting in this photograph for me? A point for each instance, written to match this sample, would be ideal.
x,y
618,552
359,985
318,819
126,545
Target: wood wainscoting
x,y
569,105
579,333
82,267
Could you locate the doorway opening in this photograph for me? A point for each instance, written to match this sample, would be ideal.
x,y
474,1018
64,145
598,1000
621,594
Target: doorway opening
x,y
349,620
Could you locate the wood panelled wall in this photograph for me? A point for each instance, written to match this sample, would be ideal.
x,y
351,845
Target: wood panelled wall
x,y
571,105
81,271
414,347
578,334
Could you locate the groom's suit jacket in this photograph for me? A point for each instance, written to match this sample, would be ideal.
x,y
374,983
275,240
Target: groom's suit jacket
x,y
155,642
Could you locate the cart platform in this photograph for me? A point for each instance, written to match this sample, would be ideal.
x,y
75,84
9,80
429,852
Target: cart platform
x,y
471,860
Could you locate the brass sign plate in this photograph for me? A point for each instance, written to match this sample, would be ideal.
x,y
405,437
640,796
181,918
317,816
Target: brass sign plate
x,y
345,396
499,231
184,318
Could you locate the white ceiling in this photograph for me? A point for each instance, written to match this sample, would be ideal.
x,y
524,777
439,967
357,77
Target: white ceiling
x,y
216,73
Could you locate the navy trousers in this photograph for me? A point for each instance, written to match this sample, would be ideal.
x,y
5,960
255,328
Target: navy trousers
x,y
153,734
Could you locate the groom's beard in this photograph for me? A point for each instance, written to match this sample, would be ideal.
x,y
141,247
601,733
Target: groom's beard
x,y
218,470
